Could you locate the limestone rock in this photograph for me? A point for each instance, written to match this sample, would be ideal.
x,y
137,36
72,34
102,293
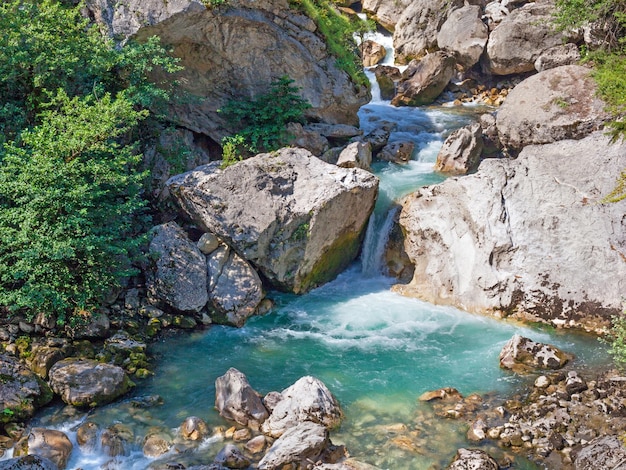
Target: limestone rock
x,y
28,462
386,12
307,220
302,443
116,440
231,53
494,13
235,399
464,34
415,34
553,105
230,456
387,77
397,152
516,43
372,53
356,155
521,354
557,56
446,393
156,444
208,243
178,277
50,444
473,459
235,289
93,326
334,131
429,78
461,151
525,237
21,391
307,138
194,428
602,452
85,382
307,399
44,357
87,435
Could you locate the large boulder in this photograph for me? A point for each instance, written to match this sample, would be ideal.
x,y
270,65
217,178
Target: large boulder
x,y
557,56
49,444
88,383
520,38
425,80
526,237
461,151
556,104
177,278
521,354
28,462
602,452
235,289
231,53
308,399
372,53
416,31
386,12
307,218
464,34
473,459
236,400
299,445
21,391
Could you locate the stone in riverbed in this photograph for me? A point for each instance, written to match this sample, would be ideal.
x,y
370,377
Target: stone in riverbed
x,y
194,428
521,354
235,399
461,151
302,443
28,462
473,459
307,220
230,456
425,80
603,452
464,34
372,53
47,443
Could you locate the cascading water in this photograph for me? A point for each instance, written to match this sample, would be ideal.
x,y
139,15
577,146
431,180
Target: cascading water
x,y
376,351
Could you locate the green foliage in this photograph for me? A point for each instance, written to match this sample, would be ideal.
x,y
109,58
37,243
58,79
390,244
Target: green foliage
x,y
71,108
608,15
262,120
231,150
619,192
214,3
338,31
616,340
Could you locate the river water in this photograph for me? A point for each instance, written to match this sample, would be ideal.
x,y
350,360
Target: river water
x,y
375,350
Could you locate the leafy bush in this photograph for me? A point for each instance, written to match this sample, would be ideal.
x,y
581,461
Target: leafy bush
x,y
262,120
616,340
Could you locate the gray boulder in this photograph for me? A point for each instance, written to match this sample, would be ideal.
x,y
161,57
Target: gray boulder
x,y
307,220
523,354
520,38
178,276
556,104
236,400
21,391
356,155
387,77
461,151
416,31
526,237
397,152
235,289
426,80
386,12
307,138
557,56
307,399
88,383
464,34
231,53
49,444
194,429
372,53
602,452
473,459
231,457
299,445
28,462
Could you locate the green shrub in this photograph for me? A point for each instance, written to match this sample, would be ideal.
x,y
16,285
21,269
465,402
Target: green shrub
x,y
616,340
262,120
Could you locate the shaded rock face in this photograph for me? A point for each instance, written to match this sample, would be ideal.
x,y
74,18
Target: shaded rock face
x,y
464,34
427,80
525,237
21,391
307,220
178,277
235,289
520,38
300,444
553,105
88,383
235,399
416,30
308,399
473,459
237,52
521,354
461,151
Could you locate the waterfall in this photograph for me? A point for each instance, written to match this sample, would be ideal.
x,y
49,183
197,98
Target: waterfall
x,y
376,238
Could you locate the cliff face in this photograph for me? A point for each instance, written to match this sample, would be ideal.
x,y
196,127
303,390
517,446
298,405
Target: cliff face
x,y
236,50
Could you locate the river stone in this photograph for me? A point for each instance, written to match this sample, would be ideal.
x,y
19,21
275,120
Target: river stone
x,y
522,36
520,354
387,76
230,53
156,444
235,289
88,383
230,456
356,155
385,12
464,34
556,104
397,152
87,435
461,151
178,277
208,243
28,462
297,445
307,220
21,391
525,237
116,440
473,459
194,429
557,56
602,452
307,399
371,53
415,34
44,357
235,399
428,79
50,444
306,138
